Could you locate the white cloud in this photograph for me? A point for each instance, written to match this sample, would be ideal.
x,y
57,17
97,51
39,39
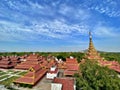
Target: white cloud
x,y
105,31
59,29
108,7
51,29
74,12
35,5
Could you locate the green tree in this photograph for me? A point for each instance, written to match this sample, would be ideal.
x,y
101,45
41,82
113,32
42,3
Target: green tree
x,y
95,77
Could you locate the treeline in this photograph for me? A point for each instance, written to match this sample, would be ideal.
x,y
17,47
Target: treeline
x,y
111,56
63,55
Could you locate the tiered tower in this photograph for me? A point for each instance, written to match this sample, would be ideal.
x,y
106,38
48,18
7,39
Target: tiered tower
x,y
92,53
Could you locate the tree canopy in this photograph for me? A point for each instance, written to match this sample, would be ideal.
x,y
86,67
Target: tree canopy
x,y
95,77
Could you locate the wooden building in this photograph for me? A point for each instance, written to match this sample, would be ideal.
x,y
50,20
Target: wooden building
x,y
9,62
63,84
31,60
33,76
72,66
6,63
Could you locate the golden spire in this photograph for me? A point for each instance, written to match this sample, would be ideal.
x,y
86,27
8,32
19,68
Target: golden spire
x,y
92,52
91,48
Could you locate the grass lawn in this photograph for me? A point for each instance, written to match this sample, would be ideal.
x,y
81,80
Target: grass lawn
x,y
22,73
5,76
10,71
2,73
16,72
8,81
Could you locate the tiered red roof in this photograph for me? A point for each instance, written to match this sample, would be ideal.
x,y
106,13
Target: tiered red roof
x,y
71,60
44,63
72,66
33,76
51,63
8,62
111,64
34,59
69,72
31,60
15,60
67,83
61,65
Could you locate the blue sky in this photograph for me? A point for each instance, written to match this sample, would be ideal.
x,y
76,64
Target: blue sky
x,y
59,25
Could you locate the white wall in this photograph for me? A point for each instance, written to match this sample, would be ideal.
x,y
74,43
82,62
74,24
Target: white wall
x,y
51,76
56,86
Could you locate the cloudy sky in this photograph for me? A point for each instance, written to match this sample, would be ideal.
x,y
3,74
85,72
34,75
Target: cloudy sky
x,y
59,25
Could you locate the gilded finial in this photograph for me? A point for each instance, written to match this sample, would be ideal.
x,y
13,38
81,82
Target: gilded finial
x,y
90,34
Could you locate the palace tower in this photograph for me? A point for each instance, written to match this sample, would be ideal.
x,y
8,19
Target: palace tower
x,y
92,53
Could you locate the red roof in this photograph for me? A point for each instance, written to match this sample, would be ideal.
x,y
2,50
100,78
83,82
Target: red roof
x,y
29,74
68,72
31,60
32,76
24,66
71,60
26,80
6,63
111,64
67,83
36,67
6,66
72,67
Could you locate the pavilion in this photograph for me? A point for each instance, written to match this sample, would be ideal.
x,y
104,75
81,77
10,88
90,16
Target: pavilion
x,y
15,60
33,76
6,63
72,66
9,62
31,60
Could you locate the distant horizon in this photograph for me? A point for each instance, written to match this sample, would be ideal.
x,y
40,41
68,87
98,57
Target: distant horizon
x,y
59,26
81,51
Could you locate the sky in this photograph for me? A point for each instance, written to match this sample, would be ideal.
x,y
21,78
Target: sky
x,y
59,25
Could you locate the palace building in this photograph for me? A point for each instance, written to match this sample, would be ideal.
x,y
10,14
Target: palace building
x,y
72,66
33,76
9,62
31,60
6,63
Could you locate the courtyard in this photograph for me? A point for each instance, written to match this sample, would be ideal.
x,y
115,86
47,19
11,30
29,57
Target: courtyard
x,y
8,76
